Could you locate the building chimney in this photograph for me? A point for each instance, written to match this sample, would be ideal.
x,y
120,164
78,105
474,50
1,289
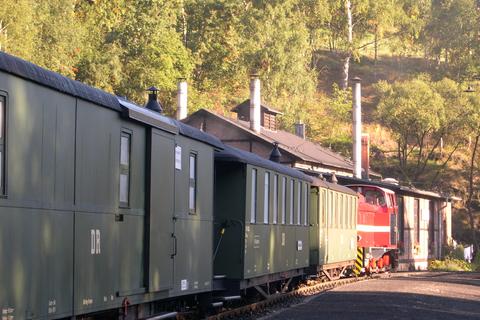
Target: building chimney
x,y
300,129
357,128
333,178
182,108
365,155
152,102
255,103
275,155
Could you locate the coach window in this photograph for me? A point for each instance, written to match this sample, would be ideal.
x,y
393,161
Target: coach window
x,y
350,212
266,198
323,206
292,193
253,200
192,186
284,200
275,199
125,152
299,203
329,208
3,121
305,204
335,210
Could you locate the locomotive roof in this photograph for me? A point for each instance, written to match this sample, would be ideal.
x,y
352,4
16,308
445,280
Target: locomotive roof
x,y
332,186
58,82
231,154
371,186
399,189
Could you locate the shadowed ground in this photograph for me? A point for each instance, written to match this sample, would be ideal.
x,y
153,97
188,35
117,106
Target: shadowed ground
x,y
403,296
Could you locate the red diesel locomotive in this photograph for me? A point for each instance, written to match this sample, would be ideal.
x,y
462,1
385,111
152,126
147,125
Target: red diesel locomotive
x,y
376,229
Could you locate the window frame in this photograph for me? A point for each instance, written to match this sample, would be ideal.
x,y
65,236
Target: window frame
x,y
125,169
3,142
299,202
275,199
306,190
284,200
253,195
266,197
291,210
193,154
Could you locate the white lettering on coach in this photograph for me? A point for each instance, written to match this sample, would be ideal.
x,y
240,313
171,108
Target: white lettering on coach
x,y
94,241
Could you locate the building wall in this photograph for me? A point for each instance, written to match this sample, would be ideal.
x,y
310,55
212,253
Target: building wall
x,y
424,236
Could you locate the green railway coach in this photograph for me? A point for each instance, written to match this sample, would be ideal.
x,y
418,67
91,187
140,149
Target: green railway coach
x,y
104,205
261,219
333,235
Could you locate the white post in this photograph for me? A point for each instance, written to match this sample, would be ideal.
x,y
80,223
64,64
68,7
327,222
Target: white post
x,y
182,92
255,103
357,128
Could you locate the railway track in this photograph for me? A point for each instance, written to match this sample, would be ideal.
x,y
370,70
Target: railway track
x,y
309,289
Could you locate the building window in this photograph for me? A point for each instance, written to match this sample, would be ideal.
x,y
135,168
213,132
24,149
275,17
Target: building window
x,y
305,205
266,198
192,187
400,223
253,200
284,200
416,220
299,203
125,152
292,192
275,199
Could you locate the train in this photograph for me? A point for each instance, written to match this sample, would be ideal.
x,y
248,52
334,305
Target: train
x,y
109,209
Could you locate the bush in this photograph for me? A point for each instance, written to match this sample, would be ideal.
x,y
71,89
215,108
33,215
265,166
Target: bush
x,y
476,263
454,253
449,264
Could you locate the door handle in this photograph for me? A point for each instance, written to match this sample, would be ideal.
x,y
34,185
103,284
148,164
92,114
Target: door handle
x,y
174,246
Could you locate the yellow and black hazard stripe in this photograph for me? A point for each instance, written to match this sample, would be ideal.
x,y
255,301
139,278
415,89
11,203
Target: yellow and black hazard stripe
x,y
359,262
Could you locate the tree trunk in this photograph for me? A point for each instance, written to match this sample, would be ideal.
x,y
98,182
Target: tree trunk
x,y
376,44
346,61
184,25
346,67
470,194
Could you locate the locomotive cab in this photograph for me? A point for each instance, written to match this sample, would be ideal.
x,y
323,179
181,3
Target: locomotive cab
x,y
376,227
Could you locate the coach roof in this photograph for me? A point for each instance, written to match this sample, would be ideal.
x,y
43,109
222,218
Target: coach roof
x,y
236,155
53,80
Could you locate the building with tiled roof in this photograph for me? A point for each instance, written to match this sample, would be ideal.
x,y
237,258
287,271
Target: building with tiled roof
x,y
296,150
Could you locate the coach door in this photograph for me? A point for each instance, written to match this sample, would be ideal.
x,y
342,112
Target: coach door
x,y
161,203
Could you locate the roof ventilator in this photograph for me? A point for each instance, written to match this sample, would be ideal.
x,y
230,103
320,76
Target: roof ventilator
x,y
152,102
275,155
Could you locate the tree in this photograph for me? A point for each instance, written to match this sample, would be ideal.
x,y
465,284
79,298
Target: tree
x,y
421,114
473,167
134,44
451,36
43,32
214,35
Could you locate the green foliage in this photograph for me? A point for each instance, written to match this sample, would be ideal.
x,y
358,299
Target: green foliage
x,y
44,32
449,264
451,36
134,45
454,261
421,116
